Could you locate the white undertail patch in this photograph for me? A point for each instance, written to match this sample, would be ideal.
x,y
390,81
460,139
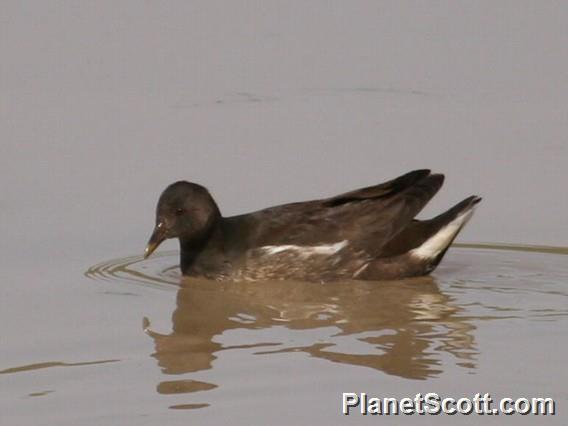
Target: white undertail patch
x,y
438,242
306,251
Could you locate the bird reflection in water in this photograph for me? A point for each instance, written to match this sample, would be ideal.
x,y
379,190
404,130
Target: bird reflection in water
x,y
401,328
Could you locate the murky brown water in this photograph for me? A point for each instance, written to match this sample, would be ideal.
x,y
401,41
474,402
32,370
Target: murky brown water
x,y
283,352
105,103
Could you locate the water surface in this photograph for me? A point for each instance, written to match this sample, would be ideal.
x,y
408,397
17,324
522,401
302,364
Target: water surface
x,y
491,319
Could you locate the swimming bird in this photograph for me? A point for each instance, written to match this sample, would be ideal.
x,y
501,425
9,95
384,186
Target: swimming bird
x,y
366,234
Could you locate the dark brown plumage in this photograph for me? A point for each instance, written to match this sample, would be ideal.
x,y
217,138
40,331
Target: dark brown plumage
x,y
369,233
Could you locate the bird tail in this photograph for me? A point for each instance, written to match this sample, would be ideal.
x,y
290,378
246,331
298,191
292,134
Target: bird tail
x,y
442,230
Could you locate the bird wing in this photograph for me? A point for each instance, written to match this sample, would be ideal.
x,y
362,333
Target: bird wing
x,y
367,218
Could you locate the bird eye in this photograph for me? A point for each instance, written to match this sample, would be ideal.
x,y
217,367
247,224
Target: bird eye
x,y
180,211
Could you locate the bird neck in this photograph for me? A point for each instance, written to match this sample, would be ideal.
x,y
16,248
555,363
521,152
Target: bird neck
x,y
192,246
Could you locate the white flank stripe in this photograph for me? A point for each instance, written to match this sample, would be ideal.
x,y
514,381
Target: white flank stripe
x,y
434,245
327,249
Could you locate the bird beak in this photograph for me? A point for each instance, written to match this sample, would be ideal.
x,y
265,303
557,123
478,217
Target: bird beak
x,y
158,235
